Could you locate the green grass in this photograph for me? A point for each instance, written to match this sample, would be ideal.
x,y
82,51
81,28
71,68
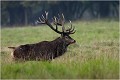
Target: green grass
x,y
95,55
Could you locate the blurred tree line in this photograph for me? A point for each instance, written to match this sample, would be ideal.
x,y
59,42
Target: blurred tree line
x,y
27,12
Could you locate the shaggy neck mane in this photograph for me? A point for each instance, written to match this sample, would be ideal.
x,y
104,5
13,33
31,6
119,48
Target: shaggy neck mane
x,y
59,41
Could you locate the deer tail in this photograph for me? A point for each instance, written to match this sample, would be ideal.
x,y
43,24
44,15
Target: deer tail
x,y
12,47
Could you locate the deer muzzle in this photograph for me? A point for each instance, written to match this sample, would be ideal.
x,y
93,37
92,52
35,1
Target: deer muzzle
x,y
73,41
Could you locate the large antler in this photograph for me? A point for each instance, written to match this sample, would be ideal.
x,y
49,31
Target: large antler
x,y
57,21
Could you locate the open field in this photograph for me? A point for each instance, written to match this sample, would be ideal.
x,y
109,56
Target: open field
x,y
94,55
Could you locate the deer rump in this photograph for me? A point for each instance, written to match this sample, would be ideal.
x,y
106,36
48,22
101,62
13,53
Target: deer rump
x,y
45,50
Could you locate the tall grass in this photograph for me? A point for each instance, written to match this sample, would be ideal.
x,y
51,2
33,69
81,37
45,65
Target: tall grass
x,y
94,55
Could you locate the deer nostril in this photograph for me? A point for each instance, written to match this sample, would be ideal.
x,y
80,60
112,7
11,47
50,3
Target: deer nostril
x,y
73,41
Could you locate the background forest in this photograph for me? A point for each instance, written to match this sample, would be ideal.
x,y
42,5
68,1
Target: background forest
x,y
22,13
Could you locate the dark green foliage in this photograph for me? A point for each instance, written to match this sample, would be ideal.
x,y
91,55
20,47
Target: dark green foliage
x,y
27,12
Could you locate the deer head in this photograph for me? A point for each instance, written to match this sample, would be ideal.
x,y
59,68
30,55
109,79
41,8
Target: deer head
x,y
59,21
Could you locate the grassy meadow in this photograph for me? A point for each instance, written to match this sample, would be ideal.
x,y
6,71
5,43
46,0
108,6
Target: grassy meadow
x,y
95,55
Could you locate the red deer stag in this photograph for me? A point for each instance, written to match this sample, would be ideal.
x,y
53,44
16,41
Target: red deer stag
x,y
46,50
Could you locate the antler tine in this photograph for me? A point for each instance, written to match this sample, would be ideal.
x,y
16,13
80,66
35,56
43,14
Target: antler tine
x,y
63,21
43,18
63,18
46,13
70,26
71,30
63,28
55,22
